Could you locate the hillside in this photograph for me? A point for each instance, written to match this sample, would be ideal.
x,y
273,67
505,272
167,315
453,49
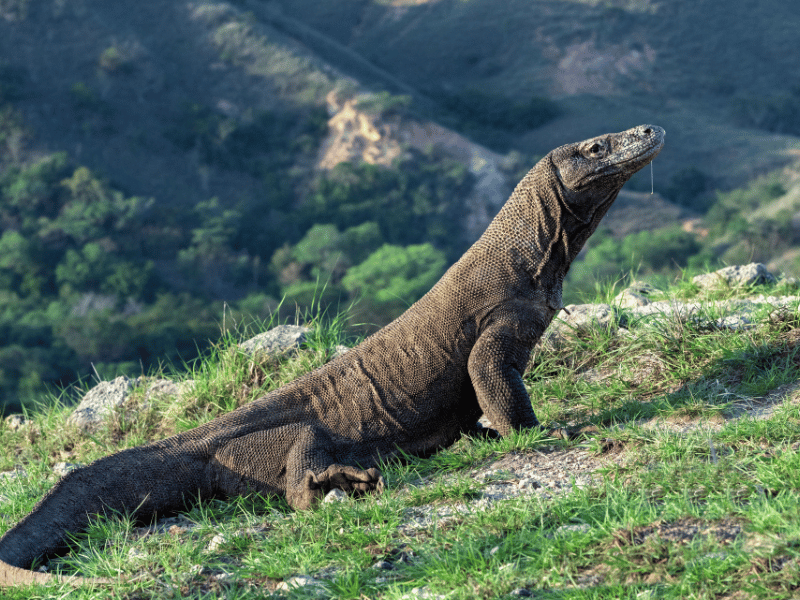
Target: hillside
x,y
684,484
168,169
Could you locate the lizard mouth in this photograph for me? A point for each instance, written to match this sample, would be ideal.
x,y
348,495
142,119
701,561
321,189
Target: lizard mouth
x,y
639,151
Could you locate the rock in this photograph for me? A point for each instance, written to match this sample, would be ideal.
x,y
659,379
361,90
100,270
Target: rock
x,y
217,541
16,422
278,340
583,317
165,388
422,592
100,401
17,472
106,396
735,276
576,319
298,581
566,530
335,495
338,350
636,294
62,468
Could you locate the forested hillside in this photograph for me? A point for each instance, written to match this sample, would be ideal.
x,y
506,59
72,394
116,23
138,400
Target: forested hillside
x,y
170,169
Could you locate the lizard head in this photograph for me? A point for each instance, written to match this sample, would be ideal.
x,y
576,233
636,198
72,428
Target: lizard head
x,y
593,171
606,161
580,181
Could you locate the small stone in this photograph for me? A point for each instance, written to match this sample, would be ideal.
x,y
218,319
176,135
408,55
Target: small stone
x,y
335,495
16,422
217,541
176,530
62,468
164,388
422,592
298,581
383,565
522,593
565,530
100,401
577,319
636,294
18,472
735,276
528,483
338,350
278,340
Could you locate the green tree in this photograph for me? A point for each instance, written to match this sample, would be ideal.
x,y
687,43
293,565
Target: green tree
x,y
420,199
20,264
93,211
396,276
93,268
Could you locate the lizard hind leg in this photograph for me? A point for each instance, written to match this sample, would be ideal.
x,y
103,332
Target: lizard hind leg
x,y
298,460
312,470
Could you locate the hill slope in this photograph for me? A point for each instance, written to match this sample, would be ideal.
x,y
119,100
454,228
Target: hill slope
x,y
686,484
164,162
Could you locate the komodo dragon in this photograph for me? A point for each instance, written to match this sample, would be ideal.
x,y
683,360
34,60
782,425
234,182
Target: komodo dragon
x,y
414,386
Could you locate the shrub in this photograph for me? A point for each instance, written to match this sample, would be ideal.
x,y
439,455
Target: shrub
x,y
396,275
687,188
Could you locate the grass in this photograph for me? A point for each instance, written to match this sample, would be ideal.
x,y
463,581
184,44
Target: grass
x,y
704,511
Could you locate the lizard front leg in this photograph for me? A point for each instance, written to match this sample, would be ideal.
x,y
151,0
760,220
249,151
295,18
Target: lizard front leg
x,y
496,364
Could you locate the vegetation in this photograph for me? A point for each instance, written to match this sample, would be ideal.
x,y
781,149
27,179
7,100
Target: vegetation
x,y
91,282
778,112
705,509
94,282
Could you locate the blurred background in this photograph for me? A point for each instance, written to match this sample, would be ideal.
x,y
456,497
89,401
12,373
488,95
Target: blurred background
x,y
170,170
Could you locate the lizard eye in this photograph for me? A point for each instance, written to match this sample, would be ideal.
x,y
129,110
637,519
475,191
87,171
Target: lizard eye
x,y
596,150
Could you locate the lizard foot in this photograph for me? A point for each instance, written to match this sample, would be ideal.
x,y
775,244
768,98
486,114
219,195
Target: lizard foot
x,y
572,433
348,479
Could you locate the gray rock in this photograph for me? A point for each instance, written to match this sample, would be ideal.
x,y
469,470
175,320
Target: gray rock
x,y
566,530
16,422
576,319
278,340
636,294
62,468
735,276
335,495
100,401
217,541
17,472
338,350
630,299
165,388
422,592
298,581
583,317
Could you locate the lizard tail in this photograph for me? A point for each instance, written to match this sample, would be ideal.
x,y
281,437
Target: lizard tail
x,y
13,576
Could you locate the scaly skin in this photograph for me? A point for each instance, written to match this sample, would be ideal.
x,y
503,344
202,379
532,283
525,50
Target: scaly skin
x,y
415,385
